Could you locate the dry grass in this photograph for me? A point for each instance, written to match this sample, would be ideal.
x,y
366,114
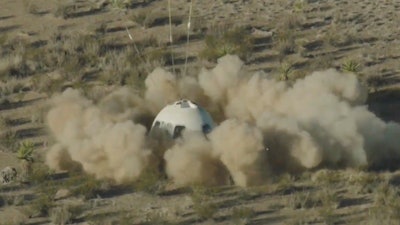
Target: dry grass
x,y
303,200
242,215
9,140
42,205
88,186
386,205
151,181
143,17
203,204
65,214
13,216
224,39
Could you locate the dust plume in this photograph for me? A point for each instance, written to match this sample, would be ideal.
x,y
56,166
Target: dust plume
x,y
240,148
103,146
161,89
266,127
191,161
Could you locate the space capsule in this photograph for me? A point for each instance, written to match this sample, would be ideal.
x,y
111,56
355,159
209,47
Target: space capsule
x,y
182,115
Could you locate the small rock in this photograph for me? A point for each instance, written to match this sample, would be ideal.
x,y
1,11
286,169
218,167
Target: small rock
x,y
261,33
8,175
62,193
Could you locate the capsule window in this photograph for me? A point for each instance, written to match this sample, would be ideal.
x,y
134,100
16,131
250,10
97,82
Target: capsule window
x,y
178,131
206,128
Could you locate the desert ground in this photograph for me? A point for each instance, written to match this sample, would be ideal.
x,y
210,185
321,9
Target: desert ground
x,y
98,46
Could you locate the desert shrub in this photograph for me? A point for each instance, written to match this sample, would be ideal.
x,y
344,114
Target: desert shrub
x,y
285,37
64,9
335,37
74,54
350,66
302,200
42,204
119,4
386,205
151,180
30,7
125,218
285,70
21,59
156,218
5,123
3,39
25,151
322,62
387,195
13,65
11,85
203,205
329,203
83,52
47,187
363,182
328,177
12,200
40,173
55,86
25,155
9,140
89,187
115,66
205,210
6,200
300,6
39,114
242,215
65,214
19,200
143,17
39,83
129,67
228,40
284,182
14,216
198,23
285,42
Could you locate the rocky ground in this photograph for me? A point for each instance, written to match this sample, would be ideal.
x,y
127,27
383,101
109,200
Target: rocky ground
x,y
50,45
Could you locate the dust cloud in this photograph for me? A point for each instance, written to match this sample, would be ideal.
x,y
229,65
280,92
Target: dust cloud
x,y
191,161
266,127
94,138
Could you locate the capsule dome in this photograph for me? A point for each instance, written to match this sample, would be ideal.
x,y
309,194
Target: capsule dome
x,y
182,115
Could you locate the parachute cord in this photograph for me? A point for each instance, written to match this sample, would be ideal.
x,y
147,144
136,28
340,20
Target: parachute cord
x,y
136,48
188,37
170,36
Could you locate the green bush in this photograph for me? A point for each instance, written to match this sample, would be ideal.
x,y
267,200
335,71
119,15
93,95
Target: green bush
x,y
351,66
